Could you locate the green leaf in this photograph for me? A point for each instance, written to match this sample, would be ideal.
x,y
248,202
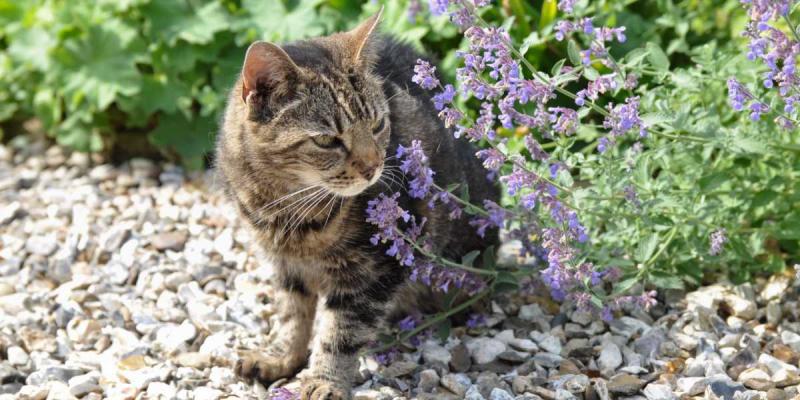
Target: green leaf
x,y
624,285
657,58
748,144
532,40
646,248
549,11
470,257
666,281
489,258
178,20
443,329
281,21
32,47
100,66
505,282
574,53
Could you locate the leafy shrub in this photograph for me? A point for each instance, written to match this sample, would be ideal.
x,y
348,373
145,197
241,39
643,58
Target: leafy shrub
x,y
624,169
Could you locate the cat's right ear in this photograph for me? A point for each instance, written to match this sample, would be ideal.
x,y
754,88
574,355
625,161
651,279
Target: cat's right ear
x,y
267,70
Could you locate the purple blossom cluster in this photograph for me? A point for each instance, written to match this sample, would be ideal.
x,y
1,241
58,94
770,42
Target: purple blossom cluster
x,y
779,52
400,231
718,239
415,164
492,74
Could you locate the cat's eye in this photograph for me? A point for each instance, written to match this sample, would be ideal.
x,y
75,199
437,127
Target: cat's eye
x,y
379,126
326,141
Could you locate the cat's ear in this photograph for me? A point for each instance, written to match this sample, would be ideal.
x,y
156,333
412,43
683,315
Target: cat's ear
x,y
266,67
361,40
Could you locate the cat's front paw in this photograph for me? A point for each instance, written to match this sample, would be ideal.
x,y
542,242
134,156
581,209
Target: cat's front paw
x,y
320,389
254,366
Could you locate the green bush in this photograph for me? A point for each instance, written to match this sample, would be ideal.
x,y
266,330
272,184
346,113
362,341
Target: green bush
x,y
105,74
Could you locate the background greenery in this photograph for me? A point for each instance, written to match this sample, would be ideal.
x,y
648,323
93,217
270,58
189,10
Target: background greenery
x,y
134,77
138,75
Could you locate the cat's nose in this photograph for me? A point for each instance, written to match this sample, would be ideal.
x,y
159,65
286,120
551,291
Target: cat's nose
x,y
367,170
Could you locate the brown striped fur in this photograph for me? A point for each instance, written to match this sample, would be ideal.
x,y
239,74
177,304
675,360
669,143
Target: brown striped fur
x,y
306,204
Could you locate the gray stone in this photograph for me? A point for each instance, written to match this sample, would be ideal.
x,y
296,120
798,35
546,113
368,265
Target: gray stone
x,y
435,355
625,384
610,358
577,384
692,386
428,380
17,356
398,369
174,241
485,350
656,391
525,345
547,342
791,339
514,357
83,384
530,312
10,212
500,394
456,383
52,373
460,360
774,313
473,394
547,360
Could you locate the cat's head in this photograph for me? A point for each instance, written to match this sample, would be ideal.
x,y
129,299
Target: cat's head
x,y
314,111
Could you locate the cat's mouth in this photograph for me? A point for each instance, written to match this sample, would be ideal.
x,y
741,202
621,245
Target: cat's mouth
x,y
357,187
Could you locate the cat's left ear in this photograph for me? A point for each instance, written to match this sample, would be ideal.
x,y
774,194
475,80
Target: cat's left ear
x,y
361,41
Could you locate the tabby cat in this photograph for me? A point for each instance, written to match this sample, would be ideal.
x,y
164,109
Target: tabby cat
x,y
307,140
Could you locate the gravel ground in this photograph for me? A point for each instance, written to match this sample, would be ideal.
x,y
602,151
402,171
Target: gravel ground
x,y
136,282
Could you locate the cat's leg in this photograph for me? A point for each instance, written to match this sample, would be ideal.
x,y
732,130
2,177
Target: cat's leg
x,y
287,350
348,320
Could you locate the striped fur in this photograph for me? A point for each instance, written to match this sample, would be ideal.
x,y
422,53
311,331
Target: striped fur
x,y
306,204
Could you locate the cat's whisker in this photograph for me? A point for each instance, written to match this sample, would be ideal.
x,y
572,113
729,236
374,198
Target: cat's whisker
x,y
298,209
302,217
296,204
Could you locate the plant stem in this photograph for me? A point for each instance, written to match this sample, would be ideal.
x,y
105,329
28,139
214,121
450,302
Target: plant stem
x,y
432,321
443,260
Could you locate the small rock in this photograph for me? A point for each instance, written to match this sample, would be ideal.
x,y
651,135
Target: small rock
x,y
624,384
473,394
500,394
691,386
656,391
514,357
460,360
724,389
398,369
776,394
525,345
774,313
435,355
456,383
10,212
775,289
547,342
791,339
83,384
485,350
160,390
193,360
530,312
610,358
428,380
174,241
41,245
206,393
17,356
577,384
